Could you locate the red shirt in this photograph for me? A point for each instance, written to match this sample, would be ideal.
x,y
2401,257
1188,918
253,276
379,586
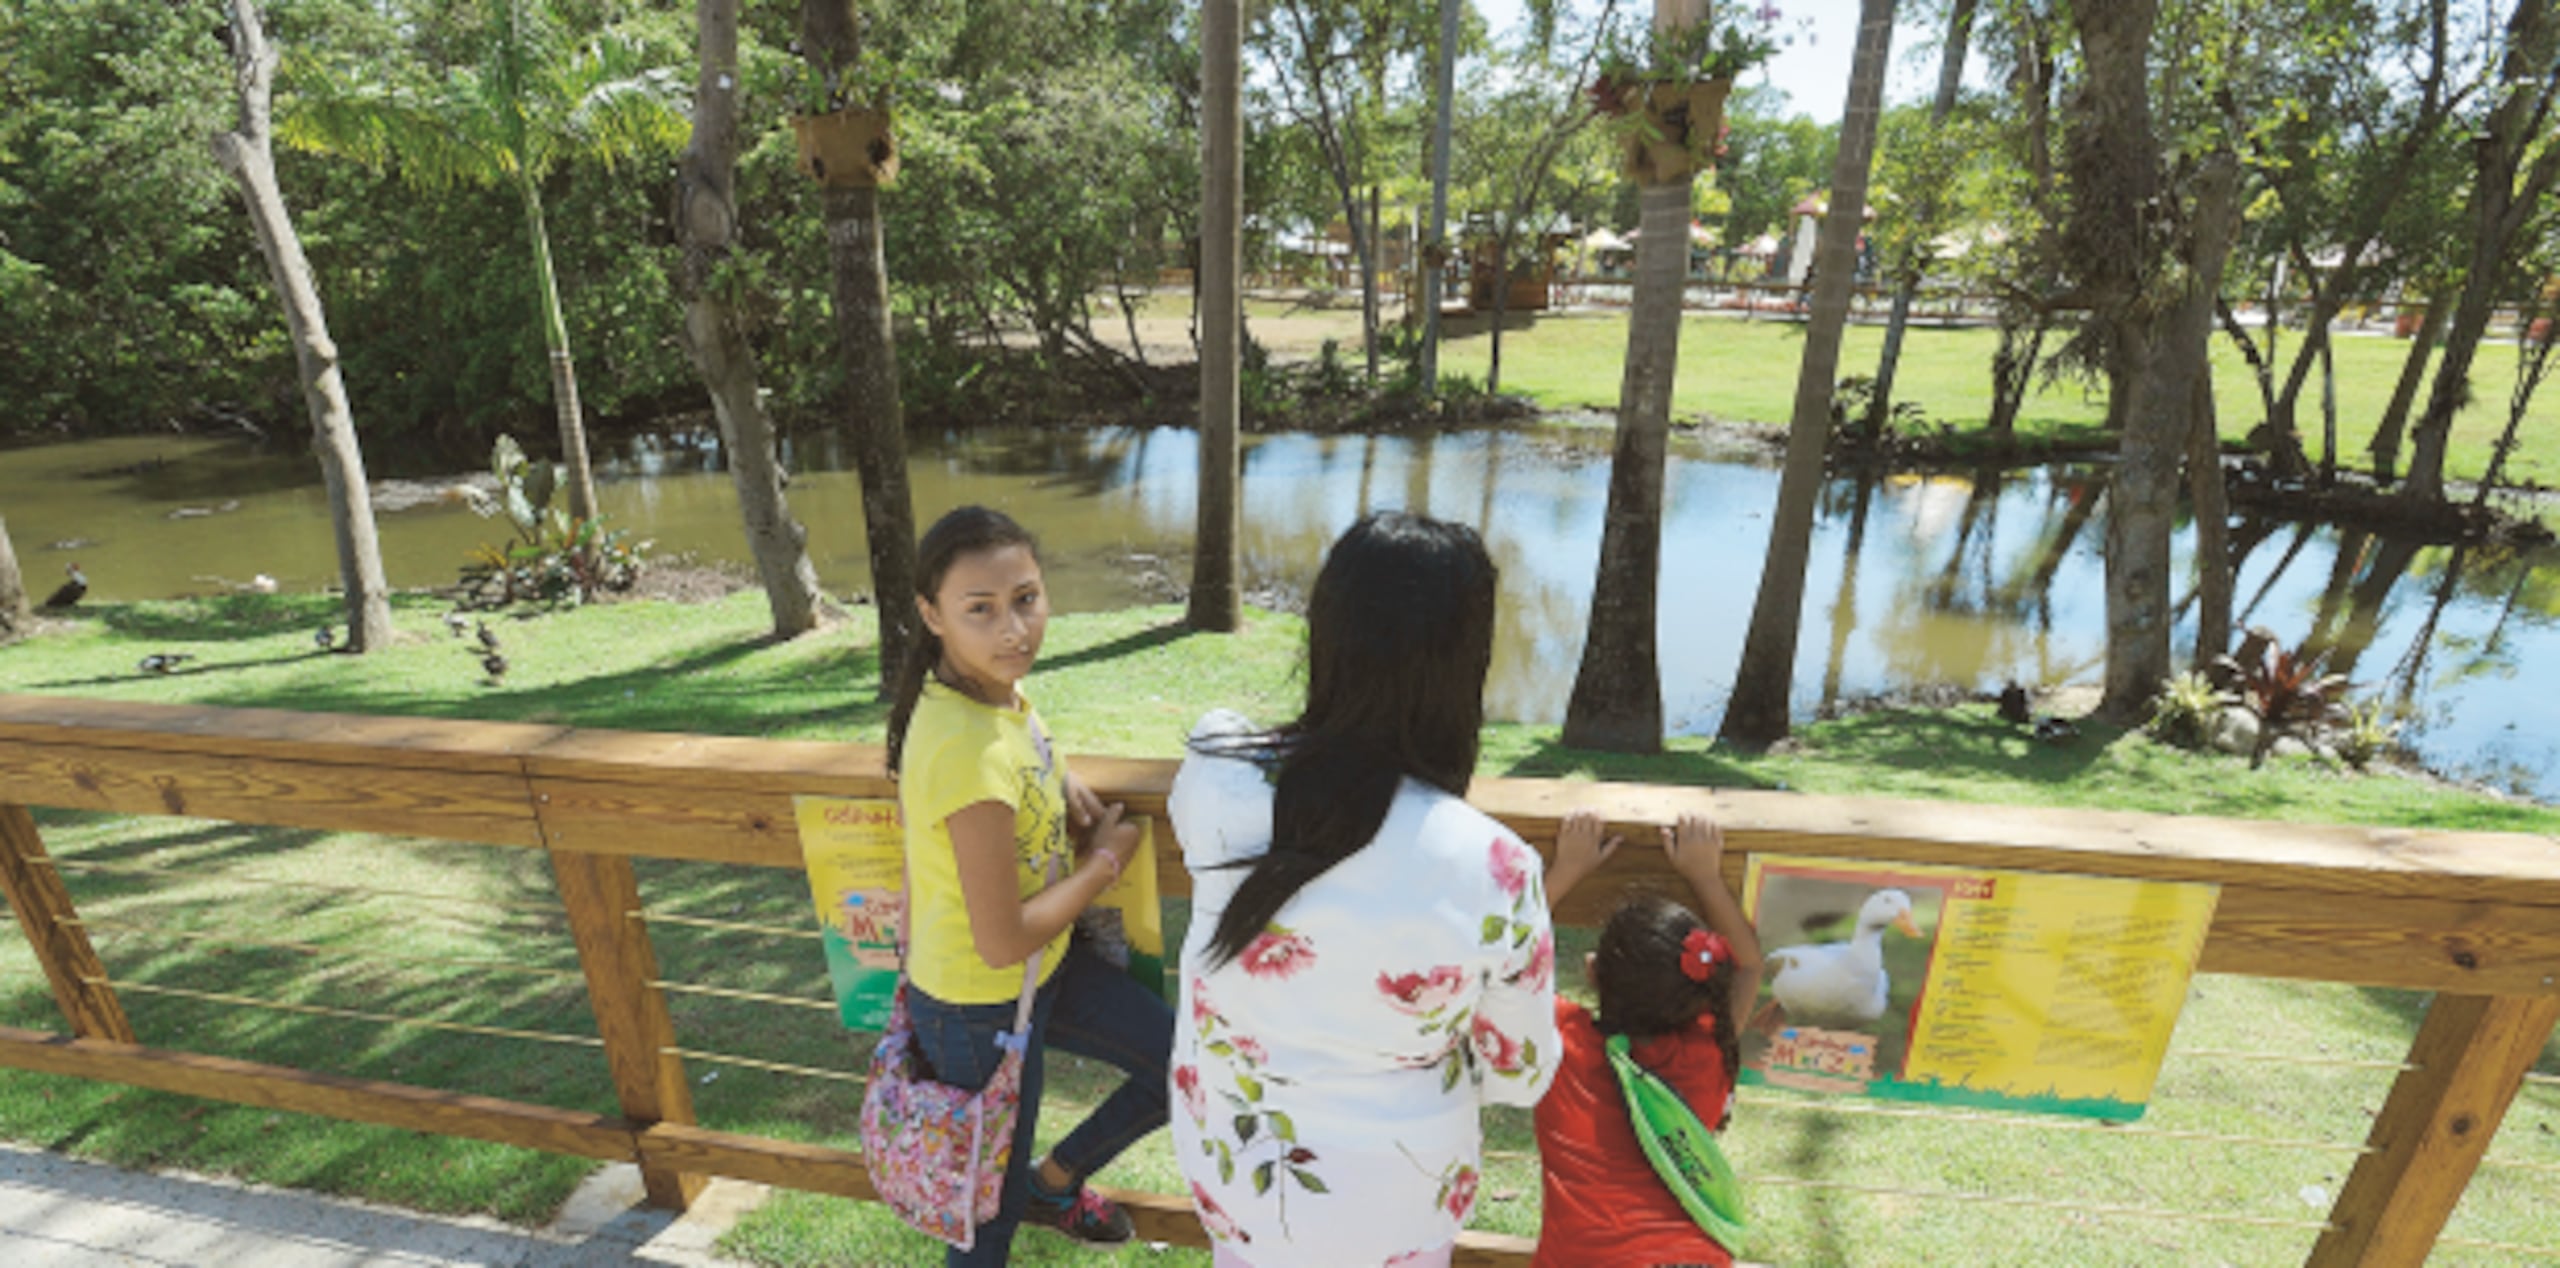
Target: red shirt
x,y
1604,1204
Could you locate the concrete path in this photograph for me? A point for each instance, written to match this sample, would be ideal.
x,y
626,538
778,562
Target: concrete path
x,y
56,1212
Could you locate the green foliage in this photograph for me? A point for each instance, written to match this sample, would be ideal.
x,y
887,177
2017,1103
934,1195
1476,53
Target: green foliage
x,y
552,558
2186,711
2285,690
2366,728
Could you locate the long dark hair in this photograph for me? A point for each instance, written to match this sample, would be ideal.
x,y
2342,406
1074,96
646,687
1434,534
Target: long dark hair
x,y
965,531
1643,992
1399,635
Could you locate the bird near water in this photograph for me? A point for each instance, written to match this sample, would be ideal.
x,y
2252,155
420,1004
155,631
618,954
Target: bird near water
x,y
70,592
454,623
495,666
488,639
325,638
163,662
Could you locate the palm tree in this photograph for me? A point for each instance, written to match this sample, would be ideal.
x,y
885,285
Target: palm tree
x,y
1757,714
1617,690
534,99
14,614
1216,562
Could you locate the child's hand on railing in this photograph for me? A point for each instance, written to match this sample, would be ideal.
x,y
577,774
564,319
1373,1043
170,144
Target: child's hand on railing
x,y
1580,850
1113,841
1696,848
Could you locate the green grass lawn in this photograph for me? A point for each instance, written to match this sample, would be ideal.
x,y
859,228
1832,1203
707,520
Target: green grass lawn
x,y
466,934
1745,371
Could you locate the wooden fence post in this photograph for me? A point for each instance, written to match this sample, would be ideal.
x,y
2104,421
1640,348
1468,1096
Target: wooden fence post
x,y
2467,1062
43,906
602,898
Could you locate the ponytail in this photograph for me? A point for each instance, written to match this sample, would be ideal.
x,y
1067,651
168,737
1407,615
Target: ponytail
x,y
968,530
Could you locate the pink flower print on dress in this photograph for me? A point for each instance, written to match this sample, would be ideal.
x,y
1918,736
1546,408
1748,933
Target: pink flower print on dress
x,y
1186,1080
1461,1195
1278,953
1214,1217
1542,962
1202,1011
1251,1050
1422,994
1494,1048
1511,864
1412,1257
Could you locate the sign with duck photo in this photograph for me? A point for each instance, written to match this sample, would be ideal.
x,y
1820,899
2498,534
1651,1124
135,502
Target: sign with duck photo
x,y
2005,990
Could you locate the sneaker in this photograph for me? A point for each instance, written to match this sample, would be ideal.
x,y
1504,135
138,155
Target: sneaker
x,y
1086,1216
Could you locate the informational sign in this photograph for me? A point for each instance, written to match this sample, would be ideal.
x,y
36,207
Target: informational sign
x,y
2008,990
855,851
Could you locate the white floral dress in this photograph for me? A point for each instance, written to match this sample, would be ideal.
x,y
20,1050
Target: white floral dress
x,y
1327,1081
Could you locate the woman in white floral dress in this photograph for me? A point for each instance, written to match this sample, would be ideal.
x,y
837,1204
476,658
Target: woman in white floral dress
x,y
1369,959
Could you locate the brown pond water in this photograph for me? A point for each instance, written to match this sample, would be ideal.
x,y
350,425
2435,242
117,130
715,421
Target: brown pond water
x,y
1916,581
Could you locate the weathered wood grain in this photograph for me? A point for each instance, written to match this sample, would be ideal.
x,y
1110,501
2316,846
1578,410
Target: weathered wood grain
x,y
445,744
2470,1058
490,809
602,898
302,1091
44,911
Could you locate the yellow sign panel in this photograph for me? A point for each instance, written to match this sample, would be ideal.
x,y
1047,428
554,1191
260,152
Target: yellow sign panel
x,y
2020,990
856,855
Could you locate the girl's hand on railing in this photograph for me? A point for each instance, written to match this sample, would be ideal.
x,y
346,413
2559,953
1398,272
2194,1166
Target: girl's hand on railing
x,y
1580,850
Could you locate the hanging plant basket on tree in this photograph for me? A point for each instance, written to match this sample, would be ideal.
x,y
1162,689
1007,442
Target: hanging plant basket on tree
x,y
848,149
1670,129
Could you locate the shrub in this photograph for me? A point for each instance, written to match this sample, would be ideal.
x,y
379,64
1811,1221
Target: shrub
x,y
552,558
2186,711
2364,730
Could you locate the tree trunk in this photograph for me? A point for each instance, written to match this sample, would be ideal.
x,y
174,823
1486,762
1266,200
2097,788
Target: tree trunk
x,y
2212,503
15,614
1444,92
2013,368
581,481
2500,206
1617,691
248,153
1950,80
859,289
1757,713
706,217
2413,372
1216,602
1369,289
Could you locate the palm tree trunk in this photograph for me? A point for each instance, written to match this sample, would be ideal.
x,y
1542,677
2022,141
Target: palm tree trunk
x,y
15,615
1617,691
874,415
2212,504
248,154
1216,603
1950,80
707,214
2413,372
1757,713
581,482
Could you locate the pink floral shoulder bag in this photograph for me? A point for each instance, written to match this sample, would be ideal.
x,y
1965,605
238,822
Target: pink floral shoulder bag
x,y
938,1153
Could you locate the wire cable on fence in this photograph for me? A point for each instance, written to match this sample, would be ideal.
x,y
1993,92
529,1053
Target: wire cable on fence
x,y
760,997
2537,1254
316,1010
723,1058
309,948
2112,1209
2547,1080
730,926
2121,1130
2518,1164
2287,1058
370,891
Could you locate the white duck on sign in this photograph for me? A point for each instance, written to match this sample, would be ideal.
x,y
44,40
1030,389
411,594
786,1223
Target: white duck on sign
x,y
1840,983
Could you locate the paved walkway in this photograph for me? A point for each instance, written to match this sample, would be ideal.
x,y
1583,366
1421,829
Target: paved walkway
x,y
56,1212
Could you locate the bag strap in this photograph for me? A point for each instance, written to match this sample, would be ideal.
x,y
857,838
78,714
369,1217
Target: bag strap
x,y
1684,1154
1030,968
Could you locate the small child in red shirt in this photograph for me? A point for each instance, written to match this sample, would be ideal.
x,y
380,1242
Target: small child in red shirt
x,y
1678,988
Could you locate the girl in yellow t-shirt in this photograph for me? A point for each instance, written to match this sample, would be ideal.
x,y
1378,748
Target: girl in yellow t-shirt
x,y
989,808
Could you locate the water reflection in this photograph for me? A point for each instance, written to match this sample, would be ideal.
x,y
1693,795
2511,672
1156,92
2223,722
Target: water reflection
x,y
1911,579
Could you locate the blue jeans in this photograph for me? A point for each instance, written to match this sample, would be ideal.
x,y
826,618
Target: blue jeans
x,y
1088,1008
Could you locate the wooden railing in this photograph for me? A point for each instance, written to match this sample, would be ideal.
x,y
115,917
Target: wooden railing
x,y
2474,917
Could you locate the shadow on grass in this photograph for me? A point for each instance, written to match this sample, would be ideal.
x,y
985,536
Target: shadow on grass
x,y
1148,639
1952,743
184,671
1549,758
226,618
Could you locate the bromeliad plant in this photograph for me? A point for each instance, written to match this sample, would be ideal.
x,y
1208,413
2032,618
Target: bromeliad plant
x,y
2285,691
1717,49
553,557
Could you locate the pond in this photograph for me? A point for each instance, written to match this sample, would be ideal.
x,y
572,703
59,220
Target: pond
x,y
1916,580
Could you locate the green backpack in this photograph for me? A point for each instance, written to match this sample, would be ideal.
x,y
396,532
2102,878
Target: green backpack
x,y
1683,1152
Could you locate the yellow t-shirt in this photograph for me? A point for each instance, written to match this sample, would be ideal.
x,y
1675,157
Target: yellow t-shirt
x,y
959,753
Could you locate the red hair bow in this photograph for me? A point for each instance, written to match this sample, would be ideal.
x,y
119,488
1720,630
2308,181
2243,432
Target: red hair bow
x,y
1700,952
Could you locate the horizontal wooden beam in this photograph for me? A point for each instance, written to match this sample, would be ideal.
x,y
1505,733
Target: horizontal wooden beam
x,y
332,1096
491,809
356,739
